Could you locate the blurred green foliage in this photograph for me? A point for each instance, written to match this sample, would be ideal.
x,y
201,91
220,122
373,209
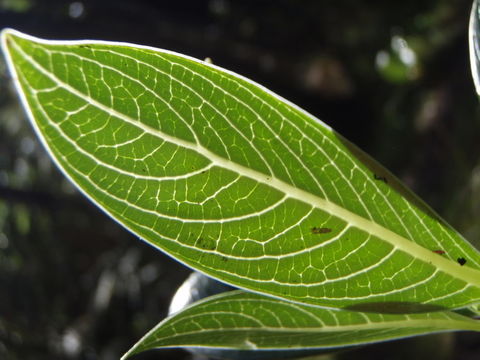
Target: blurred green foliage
x,y
391,76
16,5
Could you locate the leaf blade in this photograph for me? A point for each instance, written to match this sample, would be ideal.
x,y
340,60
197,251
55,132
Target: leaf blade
x,y
239,320
232,180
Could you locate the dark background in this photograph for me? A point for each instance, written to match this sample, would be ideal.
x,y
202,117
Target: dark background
x,y
392,76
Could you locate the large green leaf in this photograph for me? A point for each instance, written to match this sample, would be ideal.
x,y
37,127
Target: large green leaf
x,y
236,182
474,33
244,321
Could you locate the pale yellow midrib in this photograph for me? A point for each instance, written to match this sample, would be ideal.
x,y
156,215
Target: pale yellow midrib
x,y
464,273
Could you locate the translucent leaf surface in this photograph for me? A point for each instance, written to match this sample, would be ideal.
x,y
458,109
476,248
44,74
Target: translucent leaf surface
x,y
235,181
244,321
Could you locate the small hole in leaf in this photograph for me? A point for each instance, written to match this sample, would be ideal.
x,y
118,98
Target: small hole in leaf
x,y
380,178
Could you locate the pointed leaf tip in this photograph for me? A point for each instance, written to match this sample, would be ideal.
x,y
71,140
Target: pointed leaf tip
x,y
235,181
237,320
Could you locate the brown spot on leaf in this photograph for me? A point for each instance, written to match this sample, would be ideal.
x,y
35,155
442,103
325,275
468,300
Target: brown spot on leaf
x,y
321,230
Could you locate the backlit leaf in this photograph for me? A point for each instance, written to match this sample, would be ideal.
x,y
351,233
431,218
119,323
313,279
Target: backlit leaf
x,y
235,181
244,321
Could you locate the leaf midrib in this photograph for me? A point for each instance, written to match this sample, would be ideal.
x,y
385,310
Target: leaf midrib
x,y
464,273
393,325
420,323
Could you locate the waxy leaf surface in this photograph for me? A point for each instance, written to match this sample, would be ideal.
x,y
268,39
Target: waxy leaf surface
x,y
235,181
244,321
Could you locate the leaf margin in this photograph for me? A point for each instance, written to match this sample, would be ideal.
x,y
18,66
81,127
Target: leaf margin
x,y
139,346
467,272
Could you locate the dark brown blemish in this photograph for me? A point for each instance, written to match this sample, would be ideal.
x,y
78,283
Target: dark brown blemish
x,y
380,178
462,261
439,252
321,230
206,243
